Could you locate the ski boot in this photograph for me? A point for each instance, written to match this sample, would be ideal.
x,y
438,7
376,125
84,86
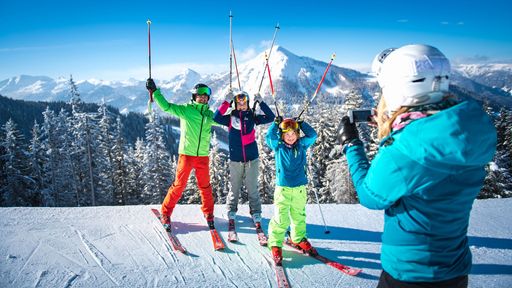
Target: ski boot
x,y
166,221
209,220
306,247
277,255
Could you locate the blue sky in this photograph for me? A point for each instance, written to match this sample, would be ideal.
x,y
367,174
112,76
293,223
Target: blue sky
x,y
108,39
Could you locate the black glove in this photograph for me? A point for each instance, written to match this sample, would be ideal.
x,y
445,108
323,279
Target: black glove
x,y
229,97
150,85
278,120
347,131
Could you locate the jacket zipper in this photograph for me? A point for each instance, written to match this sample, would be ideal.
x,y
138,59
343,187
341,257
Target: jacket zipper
x,y
200,131
242,135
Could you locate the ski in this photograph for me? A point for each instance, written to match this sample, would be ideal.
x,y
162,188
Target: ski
x,y
343,268
175,243
217,241
282,279
232,235
262,238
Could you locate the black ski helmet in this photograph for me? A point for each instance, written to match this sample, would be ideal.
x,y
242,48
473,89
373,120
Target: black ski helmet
x,y
202,88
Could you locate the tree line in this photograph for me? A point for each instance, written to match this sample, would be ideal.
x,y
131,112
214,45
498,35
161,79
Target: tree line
x,y
76,156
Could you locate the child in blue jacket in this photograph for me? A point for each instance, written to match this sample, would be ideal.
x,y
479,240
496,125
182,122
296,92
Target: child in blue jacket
x,y
290,195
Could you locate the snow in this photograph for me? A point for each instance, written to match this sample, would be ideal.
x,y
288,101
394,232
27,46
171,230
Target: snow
x,y
126,247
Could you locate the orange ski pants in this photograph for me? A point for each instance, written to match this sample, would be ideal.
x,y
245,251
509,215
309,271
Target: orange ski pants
x,y
186,163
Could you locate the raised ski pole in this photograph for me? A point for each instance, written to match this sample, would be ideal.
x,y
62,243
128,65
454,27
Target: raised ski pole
x,y
266,58
236,67
150,101
230,51
271,87
318,87
266,65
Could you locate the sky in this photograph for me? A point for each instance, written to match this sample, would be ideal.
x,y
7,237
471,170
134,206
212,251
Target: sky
x,y
108,40
91,252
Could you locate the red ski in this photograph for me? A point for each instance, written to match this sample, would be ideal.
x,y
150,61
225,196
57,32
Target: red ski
x,y
175,243
343,268
217,241
262,238
282,280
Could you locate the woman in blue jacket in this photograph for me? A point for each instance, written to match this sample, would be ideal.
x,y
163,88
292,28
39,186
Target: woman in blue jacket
x,y
243,150
429,169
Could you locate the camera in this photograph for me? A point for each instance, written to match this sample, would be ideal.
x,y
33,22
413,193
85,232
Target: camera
x,y
360,115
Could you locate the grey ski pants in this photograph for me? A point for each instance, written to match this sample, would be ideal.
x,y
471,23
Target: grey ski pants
x,y
238,172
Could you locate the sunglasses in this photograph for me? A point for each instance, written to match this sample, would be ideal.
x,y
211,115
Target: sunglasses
x,y
203,91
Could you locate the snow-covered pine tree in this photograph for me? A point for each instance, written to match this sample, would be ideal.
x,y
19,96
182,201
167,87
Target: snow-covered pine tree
x,y
50,146
74,97
134,179
218,172
119,168
18,189
267,169
37,159
104,158
66,190
156,165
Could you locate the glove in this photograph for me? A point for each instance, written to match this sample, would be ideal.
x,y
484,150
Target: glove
x,y
229,96
278,120
347,131
299,122
258,98
150,85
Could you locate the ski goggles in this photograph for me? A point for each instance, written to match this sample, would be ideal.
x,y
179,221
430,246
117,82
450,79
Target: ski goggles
x,y
288,125
242,97
203,91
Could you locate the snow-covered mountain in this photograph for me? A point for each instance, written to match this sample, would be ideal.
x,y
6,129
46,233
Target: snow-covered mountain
x,y
295,78
125,246
497,76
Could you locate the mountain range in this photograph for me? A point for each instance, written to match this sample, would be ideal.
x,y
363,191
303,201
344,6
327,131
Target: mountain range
x,y
295,79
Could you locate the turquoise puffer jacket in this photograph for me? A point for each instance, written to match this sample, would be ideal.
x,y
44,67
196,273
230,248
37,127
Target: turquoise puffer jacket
x,y
427,180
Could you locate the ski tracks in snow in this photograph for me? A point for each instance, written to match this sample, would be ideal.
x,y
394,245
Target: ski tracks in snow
x,y
98,257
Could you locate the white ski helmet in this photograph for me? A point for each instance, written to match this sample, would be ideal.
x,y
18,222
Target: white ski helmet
x,y
411,75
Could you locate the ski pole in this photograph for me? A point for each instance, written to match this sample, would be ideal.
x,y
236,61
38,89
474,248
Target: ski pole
x,y
150,101
271,87
266,58
318,87
236,68
230,51
322,214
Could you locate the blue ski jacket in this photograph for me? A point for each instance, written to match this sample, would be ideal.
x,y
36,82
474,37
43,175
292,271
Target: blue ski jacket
x,y
291,162
242,133
427,180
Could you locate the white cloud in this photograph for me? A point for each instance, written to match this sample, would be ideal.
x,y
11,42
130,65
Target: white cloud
x,y
445,23
402,20
246,54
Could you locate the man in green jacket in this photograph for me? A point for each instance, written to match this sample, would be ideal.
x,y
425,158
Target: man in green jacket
x,y
196,120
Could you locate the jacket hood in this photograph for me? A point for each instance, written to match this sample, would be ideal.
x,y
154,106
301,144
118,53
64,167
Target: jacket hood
x,y
459,137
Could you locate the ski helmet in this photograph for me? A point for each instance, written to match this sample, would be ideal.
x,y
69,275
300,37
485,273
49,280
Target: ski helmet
x,y
412,75
201,89
241,96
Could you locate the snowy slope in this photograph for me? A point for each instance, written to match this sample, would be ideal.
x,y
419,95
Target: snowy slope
x,y
126,247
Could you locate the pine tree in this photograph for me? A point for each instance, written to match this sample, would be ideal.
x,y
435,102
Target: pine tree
x,y
218,173
119,168
18,186
104,158
37,160
267,169
156,165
